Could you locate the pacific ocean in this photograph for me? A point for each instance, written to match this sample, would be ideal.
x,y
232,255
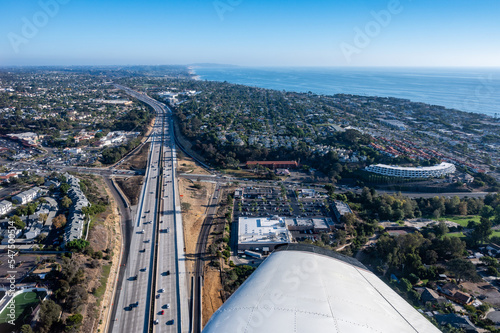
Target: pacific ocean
x,y
466,89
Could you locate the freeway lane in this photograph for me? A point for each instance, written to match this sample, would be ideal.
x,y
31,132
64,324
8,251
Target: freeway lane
x,y
166,304
162,280
133,306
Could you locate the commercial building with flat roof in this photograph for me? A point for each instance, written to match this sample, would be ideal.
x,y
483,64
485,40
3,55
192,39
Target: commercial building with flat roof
x,y
340,209
262,233
317,224
439,170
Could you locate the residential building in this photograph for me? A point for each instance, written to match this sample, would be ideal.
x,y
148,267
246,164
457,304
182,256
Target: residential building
x,y
76,218
27,196
439,170
5,207
6,176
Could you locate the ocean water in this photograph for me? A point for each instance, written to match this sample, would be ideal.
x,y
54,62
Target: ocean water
x,y
472,90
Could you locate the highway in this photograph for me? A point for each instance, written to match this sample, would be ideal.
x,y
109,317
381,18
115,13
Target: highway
x,y
152,296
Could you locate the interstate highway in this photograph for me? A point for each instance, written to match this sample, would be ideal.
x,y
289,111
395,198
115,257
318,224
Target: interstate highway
x,y
156,251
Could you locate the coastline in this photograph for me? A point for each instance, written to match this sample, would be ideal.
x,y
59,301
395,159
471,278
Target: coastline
x,y
193,74
462,90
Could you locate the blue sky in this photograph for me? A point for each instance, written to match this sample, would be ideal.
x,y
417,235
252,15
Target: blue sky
x,y
459,33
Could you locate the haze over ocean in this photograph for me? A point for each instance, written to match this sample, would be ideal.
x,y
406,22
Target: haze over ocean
x,y
472,90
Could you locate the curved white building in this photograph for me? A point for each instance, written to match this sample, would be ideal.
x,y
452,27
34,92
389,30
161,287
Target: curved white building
x,y
302,288
412,172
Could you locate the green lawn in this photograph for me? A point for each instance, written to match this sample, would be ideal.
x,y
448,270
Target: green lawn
x,y
24,302
455,234
462,220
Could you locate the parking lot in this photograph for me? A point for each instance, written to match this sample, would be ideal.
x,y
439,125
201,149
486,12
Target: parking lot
x,y
281,201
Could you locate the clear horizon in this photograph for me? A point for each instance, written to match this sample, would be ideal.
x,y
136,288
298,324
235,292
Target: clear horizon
x,y
296,33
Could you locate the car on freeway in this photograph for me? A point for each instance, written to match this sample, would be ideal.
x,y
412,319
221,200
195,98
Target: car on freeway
x,y
162,312
168,305
143,250
158,296
162,290
156,321
147,241
142,231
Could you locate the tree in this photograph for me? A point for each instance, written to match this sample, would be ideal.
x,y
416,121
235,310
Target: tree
x,y
77,245
405,284
26,329
32,208
66,202
59,221
463,270
43,217
462,208
492,271
481,232
40,238
436,214
49,314
330,188
77,295
18,223
448,247
487,211
441,229
75,319
489,261
64,187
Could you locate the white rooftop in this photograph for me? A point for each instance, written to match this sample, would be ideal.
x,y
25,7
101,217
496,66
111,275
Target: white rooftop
x,y
441,166
299,291
262,230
